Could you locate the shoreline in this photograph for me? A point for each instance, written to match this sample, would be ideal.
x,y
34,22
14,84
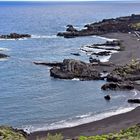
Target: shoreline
x,y
106,125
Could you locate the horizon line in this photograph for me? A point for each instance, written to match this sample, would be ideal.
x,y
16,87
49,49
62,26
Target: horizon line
x,y
68,1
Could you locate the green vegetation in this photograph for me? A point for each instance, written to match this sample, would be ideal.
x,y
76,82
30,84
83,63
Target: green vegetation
x,y
136,26
8,133
51,137
128,69
132,133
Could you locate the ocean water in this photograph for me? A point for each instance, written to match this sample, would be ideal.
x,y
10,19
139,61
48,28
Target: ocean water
x,y
30,98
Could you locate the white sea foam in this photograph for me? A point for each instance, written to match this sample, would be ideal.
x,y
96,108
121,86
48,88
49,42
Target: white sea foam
x,y
136,92
4,49
95,50
3,59
32,36
78,120
76,79
3,39
43,36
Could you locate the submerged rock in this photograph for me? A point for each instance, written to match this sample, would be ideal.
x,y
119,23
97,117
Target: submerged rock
x,y
76,54
107,97
134,101
3,55
15,36
71,68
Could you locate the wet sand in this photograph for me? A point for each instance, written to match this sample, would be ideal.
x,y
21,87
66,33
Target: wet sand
x,y
114,123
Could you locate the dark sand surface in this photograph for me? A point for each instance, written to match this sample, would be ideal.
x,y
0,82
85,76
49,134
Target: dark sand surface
x,y
114,123
131,50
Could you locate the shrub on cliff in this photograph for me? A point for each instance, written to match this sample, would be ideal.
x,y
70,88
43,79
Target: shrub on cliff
x,y
8,133
132,133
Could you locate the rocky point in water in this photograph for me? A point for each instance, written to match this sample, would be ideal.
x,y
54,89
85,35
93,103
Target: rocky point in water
x,y
15,36
71,68
122,24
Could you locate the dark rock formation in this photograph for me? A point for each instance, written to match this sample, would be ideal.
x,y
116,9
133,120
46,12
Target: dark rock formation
x,y
75,69
91,60
107,97
134,101
121,24
117,86
103,53
114,78
110,43
15,36
70,28
50,64
3,55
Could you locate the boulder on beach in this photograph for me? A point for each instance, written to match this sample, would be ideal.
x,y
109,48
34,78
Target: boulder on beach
x,y
71,68
15,36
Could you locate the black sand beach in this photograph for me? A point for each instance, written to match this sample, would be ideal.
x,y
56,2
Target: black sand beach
x,y
107,125
114,123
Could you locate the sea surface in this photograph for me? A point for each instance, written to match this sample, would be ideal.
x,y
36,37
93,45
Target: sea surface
x,y
29,97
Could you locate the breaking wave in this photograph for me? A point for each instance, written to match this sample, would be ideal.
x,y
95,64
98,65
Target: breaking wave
x,y
76,121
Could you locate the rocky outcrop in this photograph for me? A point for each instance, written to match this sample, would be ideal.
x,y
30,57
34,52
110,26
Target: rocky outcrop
x,y
3,55
121,24
118,86
137,101
15,36
71,68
